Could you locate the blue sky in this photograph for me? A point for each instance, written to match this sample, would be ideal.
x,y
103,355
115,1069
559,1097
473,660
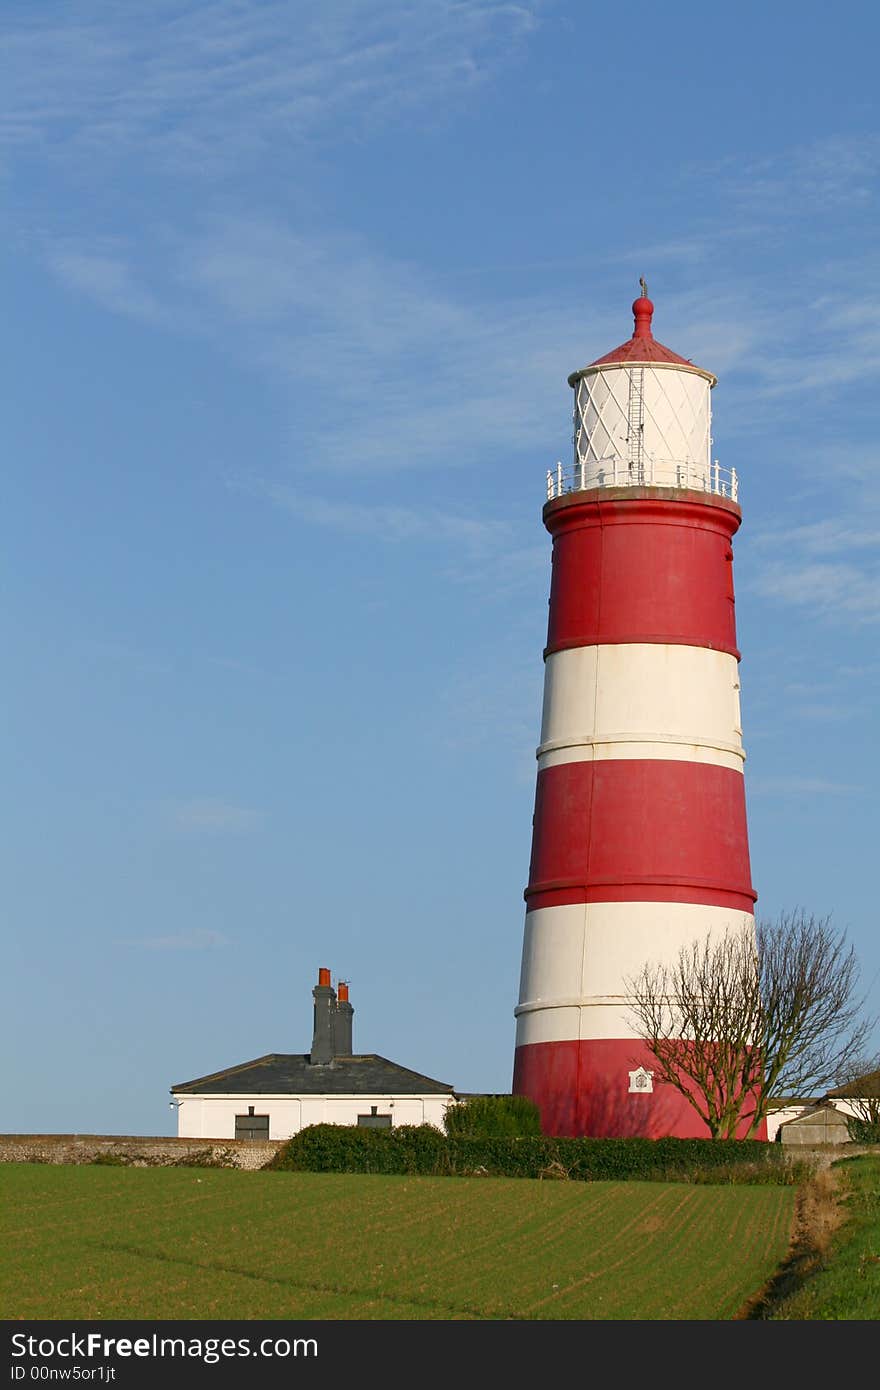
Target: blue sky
x,y
290,297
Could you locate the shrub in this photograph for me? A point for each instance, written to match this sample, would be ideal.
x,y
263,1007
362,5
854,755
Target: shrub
x,y
358,1149
482,1117
863,1131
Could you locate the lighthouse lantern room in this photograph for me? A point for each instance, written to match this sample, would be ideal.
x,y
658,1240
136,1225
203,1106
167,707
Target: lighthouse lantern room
x,y
639,842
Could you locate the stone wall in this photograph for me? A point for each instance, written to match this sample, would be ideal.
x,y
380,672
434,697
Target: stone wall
x,y
136,1151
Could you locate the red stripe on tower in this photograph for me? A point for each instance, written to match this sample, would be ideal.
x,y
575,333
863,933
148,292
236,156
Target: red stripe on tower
x,y
639,843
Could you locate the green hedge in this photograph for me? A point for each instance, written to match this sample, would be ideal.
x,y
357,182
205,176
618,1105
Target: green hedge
x,y
482,1117
425,1150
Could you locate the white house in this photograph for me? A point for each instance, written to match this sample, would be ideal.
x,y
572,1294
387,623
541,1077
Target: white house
x,y
275,1096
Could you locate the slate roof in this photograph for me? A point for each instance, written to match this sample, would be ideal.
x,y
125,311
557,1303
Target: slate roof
x,y
280,1073
863,1088
785,1102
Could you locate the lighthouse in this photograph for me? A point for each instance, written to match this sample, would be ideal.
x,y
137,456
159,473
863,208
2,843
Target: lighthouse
x,y
639,839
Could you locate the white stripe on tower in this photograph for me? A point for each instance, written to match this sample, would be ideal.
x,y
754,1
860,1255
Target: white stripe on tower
x,y
639,700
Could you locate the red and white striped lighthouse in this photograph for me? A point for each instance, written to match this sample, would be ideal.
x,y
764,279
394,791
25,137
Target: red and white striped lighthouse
x,y
639,842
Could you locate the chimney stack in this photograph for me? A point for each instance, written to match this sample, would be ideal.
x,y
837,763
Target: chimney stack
x,y
325,1008
342,1022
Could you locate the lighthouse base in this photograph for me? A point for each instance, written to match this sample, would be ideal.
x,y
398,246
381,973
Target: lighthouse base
x,y
596,1088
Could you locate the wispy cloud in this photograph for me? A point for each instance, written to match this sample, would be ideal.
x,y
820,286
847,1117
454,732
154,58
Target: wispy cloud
x,y
387,368
387,365
523,566
838,590
828,711
820,175
383,521
830,536
799,339
816,330
202,87
422,374
818,366
109,280
384,371
810,565
212,815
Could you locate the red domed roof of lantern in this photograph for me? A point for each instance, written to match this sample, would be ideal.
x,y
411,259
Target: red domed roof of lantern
x,y
642,346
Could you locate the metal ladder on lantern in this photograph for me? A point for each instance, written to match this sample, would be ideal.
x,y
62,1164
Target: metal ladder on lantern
x,y
635,425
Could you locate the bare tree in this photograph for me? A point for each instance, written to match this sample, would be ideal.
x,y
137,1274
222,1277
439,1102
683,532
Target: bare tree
x,y
698,1017
740,1020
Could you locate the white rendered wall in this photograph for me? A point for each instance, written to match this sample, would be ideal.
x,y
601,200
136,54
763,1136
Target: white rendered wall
x,y
675,413
213,1117
777,1118
576,958
641,700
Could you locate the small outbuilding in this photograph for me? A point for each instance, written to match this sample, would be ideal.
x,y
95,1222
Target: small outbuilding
x,y
822,1123
825,1119
277,1095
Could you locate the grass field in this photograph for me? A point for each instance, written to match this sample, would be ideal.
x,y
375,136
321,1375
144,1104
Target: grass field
x,y
87,1242
844,1285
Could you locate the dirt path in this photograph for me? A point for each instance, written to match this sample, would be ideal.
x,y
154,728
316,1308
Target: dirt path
x,y
818,1213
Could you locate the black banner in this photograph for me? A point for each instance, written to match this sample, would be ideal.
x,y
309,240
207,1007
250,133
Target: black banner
x,y
129,1355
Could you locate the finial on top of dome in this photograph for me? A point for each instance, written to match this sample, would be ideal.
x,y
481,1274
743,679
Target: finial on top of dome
x,y
643,310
